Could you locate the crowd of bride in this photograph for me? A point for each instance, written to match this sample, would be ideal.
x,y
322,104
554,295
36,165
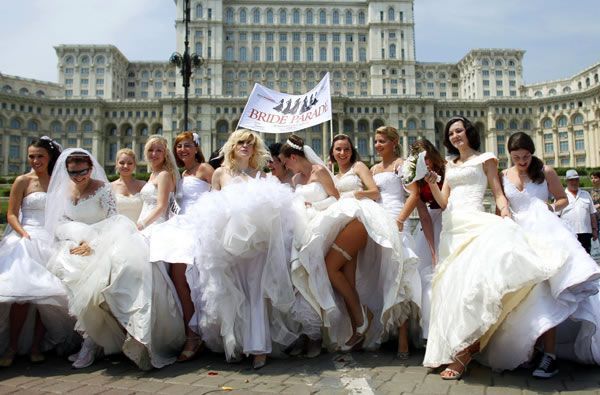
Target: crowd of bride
x,y
296,260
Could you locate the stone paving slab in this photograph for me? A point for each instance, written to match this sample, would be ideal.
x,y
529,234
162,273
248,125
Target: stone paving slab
x,y
360,373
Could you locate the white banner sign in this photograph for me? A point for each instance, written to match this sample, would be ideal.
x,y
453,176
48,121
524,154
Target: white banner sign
x,y
270,111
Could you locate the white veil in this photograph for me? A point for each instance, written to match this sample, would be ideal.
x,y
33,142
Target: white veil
x,y
59,190
313,158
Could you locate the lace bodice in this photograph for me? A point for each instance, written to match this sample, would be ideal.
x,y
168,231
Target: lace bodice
x,y
522,200
149,195
191,189
468,183
312,192
94,208
349,182
391,191
32,209
129,206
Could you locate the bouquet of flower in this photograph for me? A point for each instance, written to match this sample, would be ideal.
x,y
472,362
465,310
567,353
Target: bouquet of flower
x,y
414,168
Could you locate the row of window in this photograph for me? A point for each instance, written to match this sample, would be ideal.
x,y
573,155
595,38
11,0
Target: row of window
x,y
69,71
562,121
567,89
498,62
23,91
84,60
296,54
21,107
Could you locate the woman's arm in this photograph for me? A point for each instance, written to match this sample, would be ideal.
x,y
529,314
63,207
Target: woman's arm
x,y
324,177
165,185
410,204
427,225
371,191
490,167
216,179
555,188
17,193
205,172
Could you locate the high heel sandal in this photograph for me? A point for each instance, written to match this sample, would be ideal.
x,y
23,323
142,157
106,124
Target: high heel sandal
x,y
359,336
455,374
187,355
259,361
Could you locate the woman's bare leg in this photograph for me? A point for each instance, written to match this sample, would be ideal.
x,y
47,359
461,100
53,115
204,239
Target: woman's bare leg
x,y
182,287
351,240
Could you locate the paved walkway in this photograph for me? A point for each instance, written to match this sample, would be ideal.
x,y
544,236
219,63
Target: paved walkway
x,y
356,373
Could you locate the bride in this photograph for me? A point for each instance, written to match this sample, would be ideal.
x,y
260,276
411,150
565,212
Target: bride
x,y
329,242
103,262
242,262
487,265
28,288
528,186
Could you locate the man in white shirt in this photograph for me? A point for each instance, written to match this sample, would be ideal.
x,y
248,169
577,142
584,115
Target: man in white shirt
x,y
580,214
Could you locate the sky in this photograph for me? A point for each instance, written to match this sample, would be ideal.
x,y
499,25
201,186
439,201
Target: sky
x,y
560,38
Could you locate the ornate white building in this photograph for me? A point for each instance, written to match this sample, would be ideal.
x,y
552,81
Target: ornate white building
x,y
103,101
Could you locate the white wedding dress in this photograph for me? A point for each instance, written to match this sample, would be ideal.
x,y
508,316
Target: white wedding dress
x,y
393,198
242,266
487,265
570,293
24,278
111,292
423,251
129,205
381,264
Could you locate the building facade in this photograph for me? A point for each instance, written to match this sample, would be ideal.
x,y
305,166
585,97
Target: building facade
x,y
103,101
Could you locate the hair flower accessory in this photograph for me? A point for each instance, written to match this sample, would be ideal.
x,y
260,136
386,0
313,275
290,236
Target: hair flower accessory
x,y
294,146
196,138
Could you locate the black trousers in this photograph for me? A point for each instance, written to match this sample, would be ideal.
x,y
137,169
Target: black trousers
x,y
586,241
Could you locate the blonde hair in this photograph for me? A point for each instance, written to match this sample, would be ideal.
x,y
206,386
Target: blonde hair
x,y
392,134
259,157
169,163
126,151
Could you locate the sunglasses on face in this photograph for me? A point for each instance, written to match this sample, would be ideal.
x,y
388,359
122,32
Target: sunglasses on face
x,y
79,173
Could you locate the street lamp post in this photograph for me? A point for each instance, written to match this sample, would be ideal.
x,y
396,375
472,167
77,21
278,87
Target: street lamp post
x,y
186,62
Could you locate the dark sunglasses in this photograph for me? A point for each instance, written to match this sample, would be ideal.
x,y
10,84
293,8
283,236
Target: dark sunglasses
x,y
79,173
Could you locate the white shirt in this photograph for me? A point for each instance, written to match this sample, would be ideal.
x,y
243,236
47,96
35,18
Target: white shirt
x,y
577,213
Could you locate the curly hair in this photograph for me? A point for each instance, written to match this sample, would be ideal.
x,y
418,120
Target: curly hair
x,y
259,157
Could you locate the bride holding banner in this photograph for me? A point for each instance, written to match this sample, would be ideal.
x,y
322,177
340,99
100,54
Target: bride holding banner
x,y
330,271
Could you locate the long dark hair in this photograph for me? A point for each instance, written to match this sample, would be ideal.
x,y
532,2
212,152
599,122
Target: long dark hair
x,y
438,163
470,131
51,147
521,140
353,158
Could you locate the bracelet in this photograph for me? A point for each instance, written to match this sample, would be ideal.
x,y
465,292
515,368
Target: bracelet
x,y
501,208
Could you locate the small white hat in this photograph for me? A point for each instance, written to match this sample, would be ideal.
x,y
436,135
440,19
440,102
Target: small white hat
x,y
572,174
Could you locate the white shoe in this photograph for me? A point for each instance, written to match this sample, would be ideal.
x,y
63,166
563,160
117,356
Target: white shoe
x,y
87,354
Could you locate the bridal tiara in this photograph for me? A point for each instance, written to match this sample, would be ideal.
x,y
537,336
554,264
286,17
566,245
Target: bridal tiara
x,y
294,146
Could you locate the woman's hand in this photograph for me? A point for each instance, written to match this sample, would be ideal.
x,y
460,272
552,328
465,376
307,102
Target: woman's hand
x,y
400,225
25,235
82,250
431,177
504,212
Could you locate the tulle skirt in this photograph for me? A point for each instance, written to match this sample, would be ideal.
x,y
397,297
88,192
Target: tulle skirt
x,y
570,293
487,267
243,267
24,278
121,300
386,278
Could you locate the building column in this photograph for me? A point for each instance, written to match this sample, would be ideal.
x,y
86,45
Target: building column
x,y
571,139
405,143
556,146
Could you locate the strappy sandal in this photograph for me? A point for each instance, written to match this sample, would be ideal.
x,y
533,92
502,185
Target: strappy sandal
x,y
455,374
187,355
